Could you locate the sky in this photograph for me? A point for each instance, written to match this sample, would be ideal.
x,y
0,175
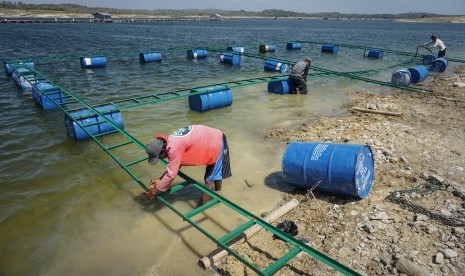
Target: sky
x,y
449,7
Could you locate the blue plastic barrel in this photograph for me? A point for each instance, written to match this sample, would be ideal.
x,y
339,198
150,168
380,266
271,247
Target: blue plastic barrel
x,y
345,169
401,77
9,70
294,46
373,53
267,48
97,125
41,90
418,73
24,78
329,49
279,87
236,50
149,57
272,65
438,65
93,62
18,73
212,98
428,59
197,53
231,58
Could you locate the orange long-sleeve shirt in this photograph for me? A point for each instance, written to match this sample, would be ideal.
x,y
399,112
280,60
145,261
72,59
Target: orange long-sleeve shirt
x,y
194,145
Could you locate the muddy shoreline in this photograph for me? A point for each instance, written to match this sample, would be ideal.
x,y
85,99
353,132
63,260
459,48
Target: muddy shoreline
x,y
412,222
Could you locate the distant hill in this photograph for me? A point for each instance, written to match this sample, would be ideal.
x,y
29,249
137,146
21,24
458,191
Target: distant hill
x,y
271,13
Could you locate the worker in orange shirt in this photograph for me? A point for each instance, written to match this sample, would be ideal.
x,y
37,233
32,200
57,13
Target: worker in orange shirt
x,y
194,145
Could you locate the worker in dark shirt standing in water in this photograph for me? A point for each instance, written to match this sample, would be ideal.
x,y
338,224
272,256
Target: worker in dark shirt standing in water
x,y
298,77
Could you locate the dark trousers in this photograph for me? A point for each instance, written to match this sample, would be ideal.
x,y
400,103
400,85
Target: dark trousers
x,y
297,82
442,53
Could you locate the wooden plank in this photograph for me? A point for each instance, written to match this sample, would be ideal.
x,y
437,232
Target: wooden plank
x,y
219,253
387,113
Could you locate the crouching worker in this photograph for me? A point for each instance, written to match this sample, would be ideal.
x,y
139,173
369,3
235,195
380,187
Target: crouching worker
x,y
194,145
298,77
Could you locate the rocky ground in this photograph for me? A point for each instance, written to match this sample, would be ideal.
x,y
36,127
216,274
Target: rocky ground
x,y
413,221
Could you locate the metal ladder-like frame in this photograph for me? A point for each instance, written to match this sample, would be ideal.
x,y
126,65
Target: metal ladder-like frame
x,y
74,103
297,246
351,75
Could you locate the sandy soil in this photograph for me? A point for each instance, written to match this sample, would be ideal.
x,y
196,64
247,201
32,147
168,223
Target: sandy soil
x,y
412,222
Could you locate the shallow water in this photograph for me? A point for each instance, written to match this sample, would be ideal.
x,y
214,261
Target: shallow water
x,y
66,208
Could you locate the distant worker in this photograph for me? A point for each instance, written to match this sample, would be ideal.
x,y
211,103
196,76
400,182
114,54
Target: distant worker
x,y
436,42
298,76
194,145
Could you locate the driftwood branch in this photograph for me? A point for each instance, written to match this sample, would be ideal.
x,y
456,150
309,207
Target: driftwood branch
x,y
448,99
387,113
450,78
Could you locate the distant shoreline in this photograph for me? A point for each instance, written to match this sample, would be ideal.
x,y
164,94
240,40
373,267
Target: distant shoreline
x,y
38,16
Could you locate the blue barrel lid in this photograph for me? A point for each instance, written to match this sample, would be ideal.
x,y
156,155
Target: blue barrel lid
x,y
364,171
401,77
438,65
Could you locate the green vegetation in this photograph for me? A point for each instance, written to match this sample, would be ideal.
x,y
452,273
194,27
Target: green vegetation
x,y
271,13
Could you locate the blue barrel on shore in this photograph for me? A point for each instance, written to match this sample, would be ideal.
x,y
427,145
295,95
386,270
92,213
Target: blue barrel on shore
x,y
9,70
344,169
93,62
373,53
231,58
330,49
427,59
267,48
95,124
149,57
47,96
279,87
272,65
211,98
418,73
401,77
438,65
197,53
294,46
236,50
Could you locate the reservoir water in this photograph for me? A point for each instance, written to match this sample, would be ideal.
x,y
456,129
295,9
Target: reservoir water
x,y
66,208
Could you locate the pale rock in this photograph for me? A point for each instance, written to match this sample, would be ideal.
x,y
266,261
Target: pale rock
x,y
439,258
421,217
458,230
449,253
380,216
410,268
458,84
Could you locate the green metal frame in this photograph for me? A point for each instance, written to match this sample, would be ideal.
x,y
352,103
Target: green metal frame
x,y
138,101
298,246
75,103
351,75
